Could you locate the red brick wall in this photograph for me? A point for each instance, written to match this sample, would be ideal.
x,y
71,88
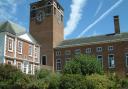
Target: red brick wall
x,y
120,48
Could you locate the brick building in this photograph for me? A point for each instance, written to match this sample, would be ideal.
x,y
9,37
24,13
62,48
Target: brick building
x,y
18,48
46,26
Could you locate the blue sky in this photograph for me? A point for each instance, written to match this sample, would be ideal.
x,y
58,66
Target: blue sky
x,y
81,17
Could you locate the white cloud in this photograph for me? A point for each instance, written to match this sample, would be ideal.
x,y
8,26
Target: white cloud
x,y
101,17
75,16
99,8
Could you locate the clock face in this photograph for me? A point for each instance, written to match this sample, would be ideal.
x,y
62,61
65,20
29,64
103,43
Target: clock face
x,y
40,16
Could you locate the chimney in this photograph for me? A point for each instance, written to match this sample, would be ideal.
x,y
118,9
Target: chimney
x,y
116,24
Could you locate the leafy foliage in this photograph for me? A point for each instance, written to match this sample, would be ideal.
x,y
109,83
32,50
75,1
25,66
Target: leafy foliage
x,y
83,64
73,81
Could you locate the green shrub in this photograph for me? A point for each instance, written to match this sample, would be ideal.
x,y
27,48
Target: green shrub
x,y
96,81
72,81
83,64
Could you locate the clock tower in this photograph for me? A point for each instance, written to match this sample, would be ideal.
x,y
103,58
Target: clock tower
x,y
46,26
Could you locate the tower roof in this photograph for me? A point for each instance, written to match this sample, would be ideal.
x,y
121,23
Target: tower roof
x,y
13,28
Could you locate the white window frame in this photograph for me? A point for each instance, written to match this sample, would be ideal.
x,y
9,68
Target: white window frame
x,y
58,53
126,59
12,44
20,47
30,52
100,59
36,52
88,50
20,65
25,66
29,68
58,64
110,59
99,49
67,52
77,51
110,48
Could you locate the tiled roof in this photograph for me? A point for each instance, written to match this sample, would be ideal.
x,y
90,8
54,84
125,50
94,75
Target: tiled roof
x,y
93,39
12,28
16,30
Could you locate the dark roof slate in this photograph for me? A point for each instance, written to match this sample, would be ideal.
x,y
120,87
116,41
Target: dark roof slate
x,y
12,28
93,39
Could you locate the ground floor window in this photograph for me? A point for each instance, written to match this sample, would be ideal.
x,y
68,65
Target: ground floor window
x,y
25,67
100,59
44,60
126,60
9,62
30,68
111,61
19,65
58,64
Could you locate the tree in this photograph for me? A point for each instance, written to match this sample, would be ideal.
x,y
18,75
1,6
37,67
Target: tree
x,y
83,64
11,78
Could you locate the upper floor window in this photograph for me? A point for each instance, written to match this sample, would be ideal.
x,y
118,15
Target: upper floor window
x,y
126,60
67,60
20,45
36,52
100,59
110,48
10,44
88,50
30,50
99,49
58,53
111,61
77,51
67,52
58,64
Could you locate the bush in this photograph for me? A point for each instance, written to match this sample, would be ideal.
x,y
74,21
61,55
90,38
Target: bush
x,y
72,81
98,82
11,78
83,64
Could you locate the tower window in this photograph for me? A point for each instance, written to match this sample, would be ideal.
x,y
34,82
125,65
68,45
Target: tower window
x,y
44,60
54,11
62,18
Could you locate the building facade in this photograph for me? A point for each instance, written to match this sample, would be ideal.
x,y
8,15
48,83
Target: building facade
x,y
46,26
18,48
